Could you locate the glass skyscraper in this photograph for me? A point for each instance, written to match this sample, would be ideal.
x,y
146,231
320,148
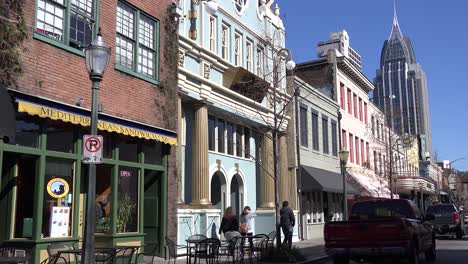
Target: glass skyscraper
x,y
401,87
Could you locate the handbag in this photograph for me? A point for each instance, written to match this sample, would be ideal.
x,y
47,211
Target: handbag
x,y
243,229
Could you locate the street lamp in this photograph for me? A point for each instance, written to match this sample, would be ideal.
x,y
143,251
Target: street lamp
x,y
281,54
97,59
344,154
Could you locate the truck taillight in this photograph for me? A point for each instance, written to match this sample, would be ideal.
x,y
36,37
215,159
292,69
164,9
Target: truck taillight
x,y
455,217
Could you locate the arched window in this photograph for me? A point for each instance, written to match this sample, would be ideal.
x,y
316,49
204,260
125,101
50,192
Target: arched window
x,y
240,5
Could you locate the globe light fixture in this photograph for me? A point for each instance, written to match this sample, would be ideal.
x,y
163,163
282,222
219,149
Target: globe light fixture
x,y
211,6
97,57
344,155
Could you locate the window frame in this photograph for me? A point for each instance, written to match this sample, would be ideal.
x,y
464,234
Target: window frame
x,y
225,43
303,126
325,138
65,43
136,42
334,138
260,62
249,55
315,130
238,48
213,31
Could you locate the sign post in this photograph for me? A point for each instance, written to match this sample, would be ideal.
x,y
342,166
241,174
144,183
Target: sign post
x,y
92,149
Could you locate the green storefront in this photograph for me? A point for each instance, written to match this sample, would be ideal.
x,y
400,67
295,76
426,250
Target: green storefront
x,y
43,180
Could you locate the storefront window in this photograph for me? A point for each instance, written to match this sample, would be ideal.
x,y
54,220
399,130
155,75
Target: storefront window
x,y
58,198
103,197
17,183
153,152
128,149
108,146
27,131
127,218
60,137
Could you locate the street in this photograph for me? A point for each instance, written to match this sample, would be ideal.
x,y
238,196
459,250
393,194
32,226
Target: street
x,y
449,250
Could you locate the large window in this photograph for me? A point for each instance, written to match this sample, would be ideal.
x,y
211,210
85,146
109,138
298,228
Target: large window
x,y
54,16
356,147
27,131
239,147
365,113
221,135
360,110
127,211
363,154
315,131
230,138
355,107
225,42
249,56
351,147
303,124
135,41
325,135
350,105
211,133
247,142
237,49
213,34
259,62
342,96
60,137
334,138
240,5
58,198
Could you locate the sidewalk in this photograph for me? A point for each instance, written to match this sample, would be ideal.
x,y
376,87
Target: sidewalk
x,y
313,250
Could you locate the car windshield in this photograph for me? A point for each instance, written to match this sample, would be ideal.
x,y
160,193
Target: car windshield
x,y
381,209
440,209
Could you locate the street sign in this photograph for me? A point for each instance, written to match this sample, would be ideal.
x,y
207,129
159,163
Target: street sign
x,y
92,149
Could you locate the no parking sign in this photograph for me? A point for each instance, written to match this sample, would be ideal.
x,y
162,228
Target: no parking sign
x,y
92,149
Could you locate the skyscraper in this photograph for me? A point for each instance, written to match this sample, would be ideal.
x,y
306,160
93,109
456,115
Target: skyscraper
x,y
401,87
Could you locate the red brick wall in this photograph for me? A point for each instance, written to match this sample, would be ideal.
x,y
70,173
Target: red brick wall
x,y
61,75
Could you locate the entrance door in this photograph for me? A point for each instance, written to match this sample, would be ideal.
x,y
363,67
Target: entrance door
x,y
152,209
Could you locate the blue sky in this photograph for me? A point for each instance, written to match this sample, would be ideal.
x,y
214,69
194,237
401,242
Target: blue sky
x,y
439,34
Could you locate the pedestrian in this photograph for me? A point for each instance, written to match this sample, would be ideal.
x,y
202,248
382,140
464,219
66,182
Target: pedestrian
x,y
287,222
228,223
245,227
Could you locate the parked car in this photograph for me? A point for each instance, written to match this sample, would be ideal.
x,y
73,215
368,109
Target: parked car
x,y
447,219
379,228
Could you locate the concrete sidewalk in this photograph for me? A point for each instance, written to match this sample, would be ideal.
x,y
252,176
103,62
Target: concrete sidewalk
x,y
313,250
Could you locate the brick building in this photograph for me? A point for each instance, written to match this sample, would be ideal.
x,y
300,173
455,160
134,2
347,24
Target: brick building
x,y
41,169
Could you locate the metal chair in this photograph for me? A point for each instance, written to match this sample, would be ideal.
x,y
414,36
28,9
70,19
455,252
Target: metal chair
x,y
271,239
260,245
54,260
150,250
172,251
208,249
53,250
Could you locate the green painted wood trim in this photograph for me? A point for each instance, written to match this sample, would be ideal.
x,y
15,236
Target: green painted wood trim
x,y
39,189
115,192
21,149
57,44
76,194
141,214
164,187
129,71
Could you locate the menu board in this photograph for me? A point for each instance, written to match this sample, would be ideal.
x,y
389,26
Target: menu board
x,y
59,221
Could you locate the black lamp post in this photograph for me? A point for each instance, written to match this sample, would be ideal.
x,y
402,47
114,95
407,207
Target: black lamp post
x,y
97,59
344,155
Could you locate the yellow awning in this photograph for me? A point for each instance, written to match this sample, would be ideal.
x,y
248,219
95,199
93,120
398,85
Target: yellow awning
x,y
77,119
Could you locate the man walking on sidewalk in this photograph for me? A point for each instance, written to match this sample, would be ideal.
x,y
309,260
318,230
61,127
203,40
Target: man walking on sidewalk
x,y
287,222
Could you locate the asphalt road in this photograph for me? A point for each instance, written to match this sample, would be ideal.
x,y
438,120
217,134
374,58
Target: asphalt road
x,y
449,251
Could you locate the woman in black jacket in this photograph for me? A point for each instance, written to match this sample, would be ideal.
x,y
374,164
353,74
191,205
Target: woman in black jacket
x,y
229,222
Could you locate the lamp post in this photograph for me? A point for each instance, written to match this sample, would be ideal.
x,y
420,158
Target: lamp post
x,y
344,154
449,167
97,59
281,54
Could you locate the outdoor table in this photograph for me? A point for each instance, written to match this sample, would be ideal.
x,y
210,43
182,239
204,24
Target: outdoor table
x,y
192,244
13,259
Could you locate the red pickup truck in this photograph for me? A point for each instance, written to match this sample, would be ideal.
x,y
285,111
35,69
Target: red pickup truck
x,y
376,228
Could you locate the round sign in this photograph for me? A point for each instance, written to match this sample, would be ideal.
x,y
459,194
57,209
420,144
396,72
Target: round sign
x,y
58,188
407,140
93,144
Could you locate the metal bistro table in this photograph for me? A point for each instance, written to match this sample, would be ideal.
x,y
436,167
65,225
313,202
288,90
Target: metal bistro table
x,y
13,259
106,254
192,245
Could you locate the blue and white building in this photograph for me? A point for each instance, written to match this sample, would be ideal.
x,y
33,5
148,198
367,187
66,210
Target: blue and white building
x,y
225,86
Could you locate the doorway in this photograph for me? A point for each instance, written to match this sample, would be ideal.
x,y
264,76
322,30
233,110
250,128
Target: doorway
x,y
152,210
237,195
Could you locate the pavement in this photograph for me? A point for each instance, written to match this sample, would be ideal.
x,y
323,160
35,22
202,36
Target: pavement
x,y
313,250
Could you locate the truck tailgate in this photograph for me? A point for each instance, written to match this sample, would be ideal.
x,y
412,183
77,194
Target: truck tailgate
x,y
363,232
